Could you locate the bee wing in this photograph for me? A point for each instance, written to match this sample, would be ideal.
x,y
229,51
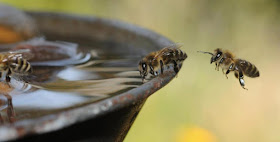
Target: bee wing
x,y
176,45
168,49
23,53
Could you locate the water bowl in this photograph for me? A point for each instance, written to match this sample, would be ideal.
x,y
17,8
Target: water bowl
x,y
85,83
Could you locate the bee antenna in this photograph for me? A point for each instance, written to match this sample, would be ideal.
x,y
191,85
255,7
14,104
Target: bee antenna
x,y
206,52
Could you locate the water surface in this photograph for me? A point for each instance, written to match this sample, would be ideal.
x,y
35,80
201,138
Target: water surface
x,y
86,74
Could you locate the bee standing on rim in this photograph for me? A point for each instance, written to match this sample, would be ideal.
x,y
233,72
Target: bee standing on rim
x,y
227,61
13,64
156,62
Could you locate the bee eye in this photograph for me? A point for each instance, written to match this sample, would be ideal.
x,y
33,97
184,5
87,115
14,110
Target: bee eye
x,y
219,55
144,66
156,73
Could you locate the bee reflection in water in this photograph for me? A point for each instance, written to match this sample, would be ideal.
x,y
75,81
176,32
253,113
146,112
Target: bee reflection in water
x,y
14,64
6,105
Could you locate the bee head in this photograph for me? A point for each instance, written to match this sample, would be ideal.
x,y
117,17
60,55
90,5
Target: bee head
x,y
143,68
216,56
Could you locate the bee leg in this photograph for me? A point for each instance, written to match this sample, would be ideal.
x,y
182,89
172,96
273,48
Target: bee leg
x,y
161,66
241,80
224,73
221,61
216,66
228,71
143,79
8,80
152,70
176,69
7,76
236,74
142,76
10,109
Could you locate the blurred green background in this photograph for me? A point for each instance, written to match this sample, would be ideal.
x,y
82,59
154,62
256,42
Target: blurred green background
x,y
201,105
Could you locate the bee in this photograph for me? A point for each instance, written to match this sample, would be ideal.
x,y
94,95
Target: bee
x,y
156,62
227,61
14,63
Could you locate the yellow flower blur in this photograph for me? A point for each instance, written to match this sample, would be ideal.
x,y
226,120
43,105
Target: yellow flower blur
x,y
195,134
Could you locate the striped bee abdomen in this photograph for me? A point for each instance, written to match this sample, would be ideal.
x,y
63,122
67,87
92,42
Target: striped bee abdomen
x,y
248,68
180,55
20,65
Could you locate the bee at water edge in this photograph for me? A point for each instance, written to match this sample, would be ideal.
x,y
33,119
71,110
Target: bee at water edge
x,y
156,62
13,63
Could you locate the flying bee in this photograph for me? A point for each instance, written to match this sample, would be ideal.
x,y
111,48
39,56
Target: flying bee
x,y
227,61
14,63
156,62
